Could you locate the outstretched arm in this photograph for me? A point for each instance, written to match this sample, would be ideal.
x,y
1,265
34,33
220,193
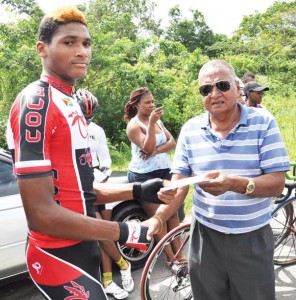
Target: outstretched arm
x,y
164,212
148,191
46,216
266,185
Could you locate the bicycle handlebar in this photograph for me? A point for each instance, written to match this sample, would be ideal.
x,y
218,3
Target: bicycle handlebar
x,y
293,176
290,186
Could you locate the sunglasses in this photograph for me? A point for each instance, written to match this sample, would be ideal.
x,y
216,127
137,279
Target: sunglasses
x,y
222,86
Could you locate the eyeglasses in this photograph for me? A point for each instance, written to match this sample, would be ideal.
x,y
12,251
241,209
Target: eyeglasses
x,y
222,86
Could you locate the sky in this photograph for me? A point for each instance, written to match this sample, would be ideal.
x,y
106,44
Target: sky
x,y
222,16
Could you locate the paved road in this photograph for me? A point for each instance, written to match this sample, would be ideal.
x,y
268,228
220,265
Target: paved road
x,y
25,290
285,283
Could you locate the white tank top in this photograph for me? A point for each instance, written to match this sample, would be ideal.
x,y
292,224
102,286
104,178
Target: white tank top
x,y
156,162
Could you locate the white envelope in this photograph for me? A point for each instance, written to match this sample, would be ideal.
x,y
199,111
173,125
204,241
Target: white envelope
x,y
185,181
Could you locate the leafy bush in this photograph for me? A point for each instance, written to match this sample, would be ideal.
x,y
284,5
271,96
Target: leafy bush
x,y
3,123
284,111
120,155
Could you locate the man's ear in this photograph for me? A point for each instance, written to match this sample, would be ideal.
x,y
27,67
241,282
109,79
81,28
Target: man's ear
x,y
237,85
41,49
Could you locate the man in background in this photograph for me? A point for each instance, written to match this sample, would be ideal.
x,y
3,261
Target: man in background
x,y
254,93
241,97
248,77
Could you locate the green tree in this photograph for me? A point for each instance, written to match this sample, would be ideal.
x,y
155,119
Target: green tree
x,y
125,59
192,34
270,39
18,60
127,18
131,50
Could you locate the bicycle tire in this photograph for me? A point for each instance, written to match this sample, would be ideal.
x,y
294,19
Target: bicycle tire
x,y
283,228
165,284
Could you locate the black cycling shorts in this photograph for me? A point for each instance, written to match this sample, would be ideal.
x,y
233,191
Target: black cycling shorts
x,y
67,273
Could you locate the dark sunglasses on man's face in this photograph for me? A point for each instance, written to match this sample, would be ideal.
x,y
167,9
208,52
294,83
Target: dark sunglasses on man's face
x,y
222,86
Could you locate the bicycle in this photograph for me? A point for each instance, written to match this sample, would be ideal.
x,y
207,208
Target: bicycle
x,y
176,285
170,284
283,223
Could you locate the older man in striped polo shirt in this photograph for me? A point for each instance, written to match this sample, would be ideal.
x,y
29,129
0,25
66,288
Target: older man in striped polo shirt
x,y
241,151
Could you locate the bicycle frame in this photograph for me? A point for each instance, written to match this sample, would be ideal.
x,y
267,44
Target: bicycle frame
x,y
283,223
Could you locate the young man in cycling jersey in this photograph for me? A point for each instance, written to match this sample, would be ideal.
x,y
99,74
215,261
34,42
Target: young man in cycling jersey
x,y
47,136
101,159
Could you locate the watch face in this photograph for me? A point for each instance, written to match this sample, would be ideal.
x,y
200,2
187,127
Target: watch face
x,y
250,187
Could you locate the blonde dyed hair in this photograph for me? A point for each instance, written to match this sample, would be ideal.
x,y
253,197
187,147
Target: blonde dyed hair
x,y
66,14
56,18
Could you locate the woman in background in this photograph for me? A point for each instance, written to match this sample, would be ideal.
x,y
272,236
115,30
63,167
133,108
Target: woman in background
x,y
150,143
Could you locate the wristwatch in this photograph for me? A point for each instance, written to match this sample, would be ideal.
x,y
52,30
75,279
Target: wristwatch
x,y
250,187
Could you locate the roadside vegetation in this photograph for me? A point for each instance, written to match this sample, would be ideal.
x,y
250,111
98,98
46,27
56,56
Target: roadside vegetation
x,y
130,49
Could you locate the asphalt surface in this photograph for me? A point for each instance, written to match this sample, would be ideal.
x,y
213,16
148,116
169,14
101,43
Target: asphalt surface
x,y
25,289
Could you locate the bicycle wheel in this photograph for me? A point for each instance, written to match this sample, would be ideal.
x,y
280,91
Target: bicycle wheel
x,y
283,227
158,281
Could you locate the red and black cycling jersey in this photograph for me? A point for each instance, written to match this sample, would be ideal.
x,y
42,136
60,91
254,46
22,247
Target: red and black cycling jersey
x,y
47,134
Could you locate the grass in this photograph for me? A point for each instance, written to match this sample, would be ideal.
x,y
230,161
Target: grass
x,y
188,202
284,111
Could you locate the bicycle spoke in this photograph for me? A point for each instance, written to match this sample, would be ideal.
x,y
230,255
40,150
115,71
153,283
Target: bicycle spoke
x,y
158,281
283,226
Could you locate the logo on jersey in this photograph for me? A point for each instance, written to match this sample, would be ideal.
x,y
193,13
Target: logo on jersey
x,y
80,121
85,158
33,118
92,137
37,266
68,101
134,231
77,291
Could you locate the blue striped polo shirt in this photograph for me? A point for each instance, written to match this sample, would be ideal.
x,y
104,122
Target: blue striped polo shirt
x,y
254,147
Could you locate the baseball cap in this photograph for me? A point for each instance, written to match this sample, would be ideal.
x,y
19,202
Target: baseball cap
x,y
254,86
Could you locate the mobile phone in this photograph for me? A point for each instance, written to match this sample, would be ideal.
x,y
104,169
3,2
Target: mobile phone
x,y
158,105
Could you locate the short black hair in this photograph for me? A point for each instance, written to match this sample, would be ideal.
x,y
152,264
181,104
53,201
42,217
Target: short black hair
x,y
248,76
53,20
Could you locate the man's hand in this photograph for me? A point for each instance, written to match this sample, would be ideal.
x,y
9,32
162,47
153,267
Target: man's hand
x,y
219,183
133,234
155,226
150,191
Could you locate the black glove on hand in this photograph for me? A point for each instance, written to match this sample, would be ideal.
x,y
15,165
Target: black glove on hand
x,y
133,235
147,191
106,171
